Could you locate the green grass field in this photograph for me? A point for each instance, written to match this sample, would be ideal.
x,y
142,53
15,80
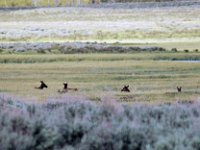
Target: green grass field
x,y
152,77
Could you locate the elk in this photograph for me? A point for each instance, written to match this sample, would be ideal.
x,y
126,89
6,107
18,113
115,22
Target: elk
x,y
125,88
179,89
65,86
66,89
42,85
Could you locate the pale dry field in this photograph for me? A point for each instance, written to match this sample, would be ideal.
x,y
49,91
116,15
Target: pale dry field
x,y
167,26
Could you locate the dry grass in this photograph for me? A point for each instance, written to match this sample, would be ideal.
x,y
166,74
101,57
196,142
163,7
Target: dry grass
x,y
25,3
144,25
98,74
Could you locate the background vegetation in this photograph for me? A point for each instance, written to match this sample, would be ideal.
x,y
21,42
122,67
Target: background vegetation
x,y
39,3
165,25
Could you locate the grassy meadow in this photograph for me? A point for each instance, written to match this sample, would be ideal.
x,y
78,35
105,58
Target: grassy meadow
x,y
152,77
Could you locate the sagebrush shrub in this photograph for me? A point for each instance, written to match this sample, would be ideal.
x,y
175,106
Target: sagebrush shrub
x,y
81,124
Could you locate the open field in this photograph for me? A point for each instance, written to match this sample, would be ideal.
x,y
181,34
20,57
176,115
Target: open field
x,y
169,26
152,77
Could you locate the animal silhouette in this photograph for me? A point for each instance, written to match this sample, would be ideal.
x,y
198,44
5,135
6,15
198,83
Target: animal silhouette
x,y
179,89
125,88
66,89
42,85
65,85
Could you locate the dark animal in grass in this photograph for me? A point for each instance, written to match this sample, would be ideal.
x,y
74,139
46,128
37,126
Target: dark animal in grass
x,y
179,89
65,86
66,89
125,88
42,85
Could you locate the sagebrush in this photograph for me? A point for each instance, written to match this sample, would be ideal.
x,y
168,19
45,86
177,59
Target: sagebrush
x,y
80,124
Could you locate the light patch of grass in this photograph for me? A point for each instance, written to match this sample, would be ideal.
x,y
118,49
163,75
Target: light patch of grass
x,y
145,26
23,3
14,3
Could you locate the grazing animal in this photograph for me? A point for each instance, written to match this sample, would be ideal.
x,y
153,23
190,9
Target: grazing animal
x,y
42,85
179,89
66,89
125,88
